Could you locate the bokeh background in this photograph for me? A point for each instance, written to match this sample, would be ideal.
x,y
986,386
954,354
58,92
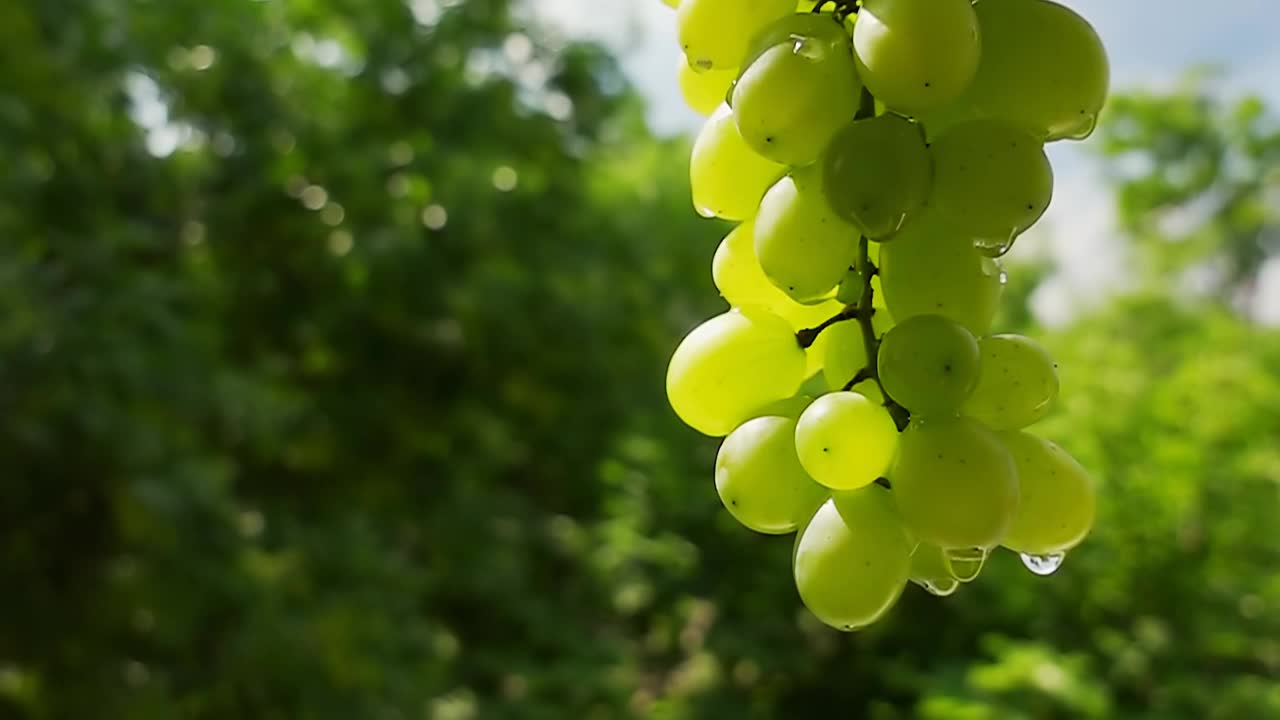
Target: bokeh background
x,y
332,336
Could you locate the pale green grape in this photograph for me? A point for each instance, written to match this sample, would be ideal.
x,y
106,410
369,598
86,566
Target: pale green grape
x,y
797,90
877,172
845,355
803,248
852,560
731,365
808,316
929,364
727,177
930,570
992,181
1043,68
1017,385
1058,497
927,270
760,480
715,34
955,483
704,91
845,440
915,55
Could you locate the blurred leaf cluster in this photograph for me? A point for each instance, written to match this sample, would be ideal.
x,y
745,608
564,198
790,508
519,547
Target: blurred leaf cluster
x,y
332,337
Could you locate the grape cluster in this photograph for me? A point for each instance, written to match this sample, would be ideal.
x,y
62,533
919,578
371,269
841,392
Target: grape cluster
x,y
879,158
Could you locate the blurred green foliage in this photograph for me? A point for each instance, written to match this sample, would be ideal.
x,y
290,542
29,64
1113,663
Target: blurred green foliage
x,y
332,337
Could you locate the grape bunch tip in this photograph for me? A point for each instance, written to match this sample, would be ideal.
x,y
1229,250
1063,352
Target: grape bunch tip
x,y
879,157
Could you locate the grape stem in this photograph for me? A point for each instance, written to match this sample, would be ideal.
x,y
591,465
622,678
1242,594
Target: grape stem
x,y
870,343
808,336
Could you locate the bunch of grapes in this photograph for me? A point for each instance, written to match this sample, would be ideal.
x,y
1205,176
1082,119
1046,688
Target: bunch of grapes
x,y
879,157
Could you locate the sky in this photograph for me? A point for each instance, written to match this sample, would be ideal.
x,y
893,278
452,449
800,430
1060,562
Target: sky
x,y
1150,43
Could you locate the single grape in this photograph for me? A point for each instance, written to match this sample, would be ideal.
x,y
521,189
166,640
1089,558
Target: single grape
x,y
845,440
704,91
1017,384
876,172
798,88
852,560
930,570
803,248
727,177
955,483
1043,69
760,480
992,181
715,34
927,270
1058,497
731,365
915,55
929,364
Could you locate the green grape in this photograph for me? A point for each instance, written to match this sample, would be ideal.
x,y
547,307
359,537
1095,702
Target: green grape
x,y
852,561
727,177
876,172
955,483
808,316
930,570
845,440
731,365
715,34
1017,384
1043,69
705,91
760,480
845,355
798,87
802,246
671,3
1059,497
915,55
929,364
926,270
992,181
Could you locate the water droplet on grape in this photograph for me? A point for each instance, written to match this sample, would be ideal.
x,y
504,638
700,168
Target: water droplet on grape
x,y
807,48
995,247
965,563
941,588
700,65
1083,128
1043,564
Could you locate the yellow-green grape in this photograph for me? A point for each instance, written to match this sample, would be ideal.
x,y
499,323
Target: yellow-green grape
x,y
731,365
845,440
1043,69
915,55
852,560
928,270
715,34
671,3
803,248
1058,497
809,316
760,480
727,177
876,172
930,570
1017,384
929,364
704,91
955,483
798,89
846,355
992,181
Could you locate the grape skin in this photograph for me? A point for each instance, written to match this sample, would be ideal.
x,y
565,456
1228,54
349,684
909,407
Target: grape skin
x,y
803,247
845,440
877,172
759,477
915,55
715,34
726,177
1058,497
705,91
929,364
1017,384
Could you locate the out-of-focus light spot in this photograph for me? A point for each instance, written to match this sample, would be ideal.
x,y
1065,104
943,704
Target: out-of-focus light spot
x,y
193,233
435,217
202,57
398,185
136,674
445,645
425,12
558,106
341,242
746,673
252,523
518,48
505,178
314,197
224,143
332,214
514,686
1251,607
283,141
400,153
533,75
1049,677
395,80
295,185
457,705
